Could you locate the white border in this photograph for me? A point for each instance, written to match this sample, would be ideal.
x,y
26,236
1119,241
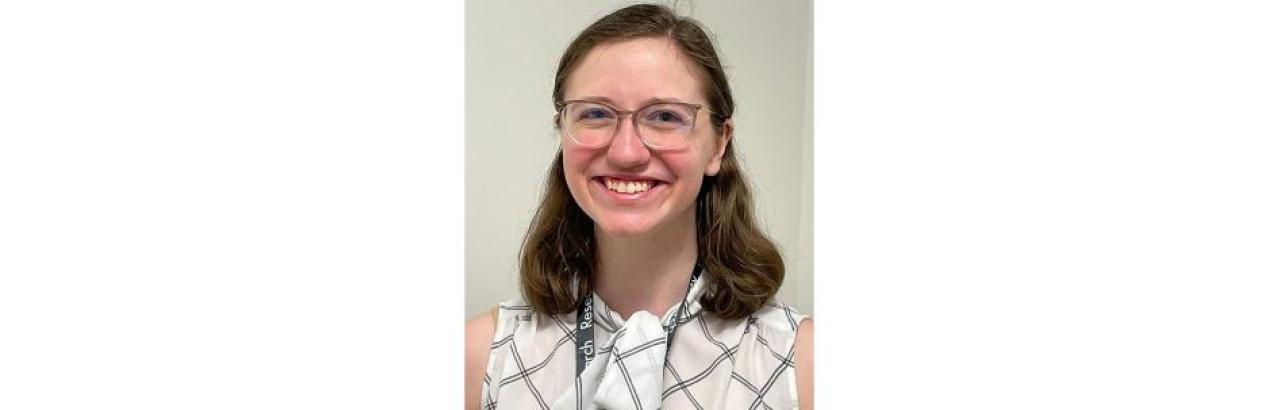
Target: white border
x,y
1047,205
231,205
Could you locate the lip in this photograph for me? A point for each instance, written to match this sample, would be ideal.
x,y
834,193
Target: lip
x,y
629,177
599,183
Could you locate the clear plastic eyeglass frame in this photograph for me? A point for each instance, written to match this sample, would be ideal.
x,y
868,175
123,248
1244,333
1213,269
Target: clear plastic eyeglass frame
x,y
562,122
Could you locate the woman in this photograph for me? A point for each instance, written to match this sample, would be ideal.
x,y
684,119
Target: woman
x,y
646,282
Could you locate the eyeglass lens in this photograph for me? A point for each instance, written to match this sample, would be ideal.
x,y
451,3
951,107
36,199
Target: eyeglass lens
x,y
659,125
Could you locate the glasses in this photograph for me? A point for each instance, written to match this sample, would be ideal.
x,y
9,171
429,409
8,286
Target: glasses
x,y
660,125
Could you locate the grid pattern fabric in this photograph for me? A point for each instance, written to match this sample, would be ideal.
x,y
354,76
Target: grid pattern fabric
x,y
713,363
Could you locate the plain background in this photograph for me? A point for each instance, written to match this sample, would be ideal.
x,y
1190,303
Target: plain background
x,y
512,52
259,204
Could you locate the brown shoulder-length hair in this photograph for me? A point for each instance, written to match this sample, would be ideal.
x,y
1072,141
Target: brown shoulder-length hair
x,y
742,267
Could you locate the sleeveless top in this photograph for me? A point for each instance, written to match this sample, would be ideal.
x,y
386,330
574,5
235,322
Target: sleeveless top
x,y
712,363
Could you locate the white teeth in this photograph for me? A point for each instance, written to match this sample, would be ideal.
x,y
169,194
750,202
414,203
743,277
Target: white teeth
x,y
627,187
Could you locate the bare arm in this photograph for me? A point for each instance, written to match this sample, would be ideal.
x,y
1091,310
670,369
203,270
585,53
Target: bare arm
x,y
479,336
804,364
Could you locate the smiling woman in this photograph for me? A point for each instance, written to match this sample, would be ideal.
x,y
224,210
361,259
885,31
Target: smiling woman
x,y
645,251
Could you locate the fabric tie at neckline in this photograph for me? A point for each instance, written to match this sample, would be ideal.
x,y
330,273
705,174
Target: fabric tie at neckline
x,y
629,370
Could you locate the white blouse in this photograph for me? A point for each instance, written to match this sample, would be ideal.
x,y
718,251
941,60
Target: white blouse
x,y
714,363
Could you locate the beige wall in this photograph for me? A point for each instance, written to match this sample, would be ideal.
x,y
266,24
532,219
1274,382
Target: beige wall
x,y
512,48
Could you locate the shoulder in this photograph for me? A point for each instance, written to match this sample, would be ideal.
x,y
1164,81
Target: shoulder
x,y
479,334
804,363
484,328
783,322
778,317
776,345
771,330
480,328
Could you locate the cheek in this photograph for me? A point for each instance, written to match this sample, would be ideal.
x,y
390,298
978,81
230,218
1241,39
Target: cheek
x,y
576,160
694,162
575,165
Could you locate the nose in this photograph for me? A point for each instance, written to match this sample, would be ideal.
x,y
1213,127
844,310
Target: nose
x,y
627,150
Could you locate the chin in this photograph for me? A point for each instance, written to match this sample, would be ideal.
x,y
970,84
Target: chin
x,y
626,229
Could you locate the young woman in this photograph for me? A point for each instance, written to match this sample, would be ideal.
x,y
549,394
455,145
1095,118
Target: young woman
x,y
646,282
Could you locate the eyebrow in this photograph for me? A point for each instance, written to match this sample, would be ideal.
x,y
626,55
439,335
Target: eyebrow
x,y
653,100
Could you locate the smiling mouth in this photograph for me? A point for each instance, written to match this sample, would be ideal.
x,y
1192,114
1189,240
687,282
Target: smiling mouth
x,y
628,186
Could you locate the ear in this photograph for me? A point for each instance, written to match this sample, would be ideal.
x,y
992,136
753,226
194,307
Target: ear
x,y
721,143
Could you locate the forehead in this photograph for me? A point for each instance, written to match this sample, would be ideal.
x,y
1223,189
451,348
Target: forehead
x,y
634,71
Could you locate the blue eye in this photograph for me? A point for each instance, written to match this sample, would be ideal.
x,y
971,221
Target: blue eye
x,y
581,114
666,118
595,114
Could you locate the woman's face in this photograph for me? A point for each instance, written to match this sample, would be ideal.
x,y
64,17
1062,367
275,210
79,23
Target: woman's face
x,y
627,188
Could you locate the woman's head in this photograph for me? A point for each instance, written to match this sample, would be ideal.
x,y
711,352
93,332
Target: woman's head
x,y
644,109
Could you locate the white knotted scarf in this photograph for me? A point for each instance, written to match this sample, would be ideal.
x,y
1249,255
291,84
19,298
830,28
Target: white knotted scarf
x,y
627,372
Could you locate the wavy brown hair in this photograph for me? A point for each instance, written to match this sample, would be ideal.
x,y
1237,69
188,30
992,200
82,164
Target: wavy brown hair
x,y
742,267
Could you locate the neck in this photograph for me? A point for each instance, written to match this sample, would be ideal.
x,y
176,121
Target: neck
x,y
649,273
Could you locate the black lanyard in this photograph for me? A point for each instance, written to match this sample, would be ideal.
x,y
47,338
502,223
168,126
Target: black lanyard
x,y
586,336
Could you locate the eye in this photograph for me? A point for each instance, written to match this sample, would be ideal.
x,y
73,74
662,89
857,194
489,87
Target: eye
x,y
669,118
594,113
